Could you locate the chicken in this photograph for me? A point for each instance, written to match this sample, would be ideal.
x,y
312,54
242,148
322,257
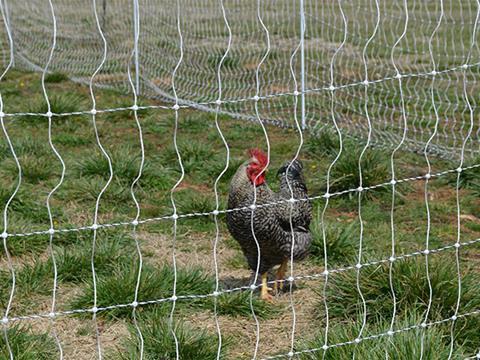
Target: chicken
x,y
273,224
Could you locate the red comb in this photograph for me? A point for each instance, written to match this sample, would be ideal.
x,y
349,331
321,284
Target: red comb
x,y
259,155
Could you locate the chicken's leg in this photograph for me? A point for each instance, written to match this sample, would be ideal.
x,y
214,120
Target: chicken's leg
x,y
265,295
280,278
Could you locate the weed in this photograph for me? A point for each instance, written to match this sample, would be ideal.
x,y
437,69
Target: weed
x,y
63,103
27,346
404,345
323,142
341,239
159,342
155,284
55,77
411,291
238,304
346,175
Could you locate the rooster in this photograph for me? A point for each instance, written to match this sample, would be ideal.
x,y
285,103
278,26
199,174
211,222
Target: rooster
x,y
272,224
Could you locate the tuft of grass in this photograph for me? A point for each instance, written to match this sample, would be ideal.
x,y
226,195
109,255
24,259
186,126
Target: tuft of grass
x,y
159,342
126,165
469,179
23,147
63,103
155,284
345,174
37,244
238,304
73,265
24,208
35,169
341,240
403,345
194,153
72,140
29,281
88,189
26,345
55,77
323,142
411,291
191,201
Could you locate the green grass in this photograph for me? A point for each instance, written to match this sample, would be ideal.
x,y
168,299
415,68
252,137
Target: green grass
x,y
411,291
325,142
73,266
155,284
342,243
26,345
59,103
203,156
469,179
126,166
159,343
238,304
32,280
56,77
34,169
404,345
345,173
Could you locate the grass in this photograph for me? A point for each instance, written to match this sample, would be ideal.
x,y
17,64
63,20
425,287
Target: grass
x,y
411,291
27,346
73,266
203,156
56,77
126,166
158,284
410,284
342,243
404,345
155,284
34,169
237,304
345,174
59,103
469,179
193,344
326,142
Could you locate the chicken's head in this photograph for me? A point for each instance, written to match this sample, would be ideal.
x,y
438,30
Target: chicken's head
x,y
257,166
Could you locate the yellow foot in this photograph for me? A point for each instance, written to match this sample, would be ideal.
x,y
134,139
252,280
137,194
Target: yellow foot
x,y
264,294
278,286
280,278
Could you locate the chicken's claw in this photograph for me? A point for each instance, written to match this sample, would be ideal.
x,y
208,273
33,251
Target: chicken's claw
x,y
264,293
280,278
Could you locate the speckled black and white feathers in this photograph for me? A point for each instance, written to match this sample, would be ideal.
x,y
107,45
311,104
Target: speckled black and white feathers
x,y
272,225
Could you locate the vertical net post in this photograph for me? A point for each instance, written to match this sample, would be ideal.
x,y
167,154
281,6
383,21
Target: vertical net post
x,y
302,61
104,13
7,21
136,28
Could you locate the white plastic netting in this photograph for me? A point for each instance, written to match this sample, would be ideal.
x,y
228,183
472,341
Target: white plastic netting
x,y
395,74
205,39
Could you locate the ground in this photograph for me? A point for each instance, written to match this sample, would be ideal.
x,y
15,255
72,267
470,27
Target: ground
x,y
203,157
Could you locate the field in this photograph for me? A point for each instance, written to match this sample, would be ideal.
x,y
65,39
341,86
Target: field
x,y
203,157
431,42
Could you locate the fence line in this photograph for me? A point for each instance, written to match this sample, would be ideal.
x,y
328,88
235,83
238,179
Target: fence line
x,y
184,104
291,279
218,212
